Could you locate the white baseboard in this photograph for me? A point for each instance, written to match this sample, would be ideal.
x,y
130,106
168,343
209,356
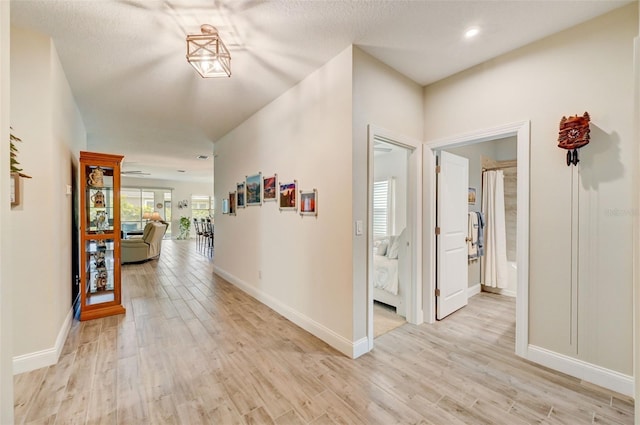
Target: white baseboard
x,y
360,347
499,291
473,290
43,358
606,378
340,343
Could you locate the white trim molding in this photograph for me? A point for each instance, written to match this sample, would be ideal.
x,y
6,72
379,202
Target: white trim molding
x,y
607,378
474,290
636,233
351,349
47,357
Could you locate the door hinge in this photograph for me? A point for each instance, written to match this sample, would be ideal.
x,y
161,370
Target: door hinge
x,y
437,230
437,292
438,169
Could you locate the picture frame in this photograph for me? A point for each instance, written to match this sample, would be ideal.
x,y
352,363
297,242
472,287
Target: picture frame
x,y
253,186
287,196
241,200
225,206
472,196
309,202
15,189
232,203
269,188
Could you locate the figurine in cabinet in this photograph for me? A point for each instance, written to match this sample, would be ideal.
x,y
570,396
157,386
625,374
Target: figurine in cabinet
x,y
96,177
98,199
102,223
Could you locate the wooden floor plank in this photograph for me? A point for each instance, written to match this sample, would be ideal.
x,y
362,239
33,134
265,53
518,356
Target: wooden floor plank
x,y
193,348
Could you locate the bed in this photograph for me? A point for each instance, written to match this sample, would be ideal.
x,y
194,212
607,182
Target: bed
x,y
389,271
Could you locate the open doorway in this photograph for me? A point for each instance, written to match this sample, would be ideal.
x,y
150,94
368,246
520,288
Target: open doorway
x,y
519,131
394,229
491,215
391,262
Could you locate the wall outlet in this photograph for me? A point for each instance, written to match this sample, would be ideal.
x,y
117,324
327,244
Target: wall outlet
x,y
359,227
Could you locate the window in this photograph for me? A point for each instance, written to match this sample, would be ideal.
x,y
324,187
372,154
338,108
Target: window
x,y
383,207
201,206
134,202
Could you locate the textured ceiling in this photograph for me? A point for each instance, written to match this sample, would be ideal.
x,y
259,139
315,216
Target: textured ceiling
x,y
125,59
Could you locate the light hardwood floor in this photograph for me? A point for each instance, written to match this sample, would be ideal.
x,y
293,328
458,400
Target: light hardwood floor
x,y
385,319
193,349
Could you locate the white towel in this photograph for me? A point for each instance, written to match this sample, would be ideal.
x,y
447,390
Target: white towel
x,y
472,237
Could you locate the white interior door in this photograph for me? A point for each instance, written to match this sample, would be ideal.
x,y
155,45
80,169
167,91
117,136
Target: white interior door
x,y
452,206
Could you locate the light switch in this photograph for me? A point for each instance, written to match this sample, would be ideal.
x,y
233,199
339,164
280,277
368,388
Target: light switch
x,y
359,226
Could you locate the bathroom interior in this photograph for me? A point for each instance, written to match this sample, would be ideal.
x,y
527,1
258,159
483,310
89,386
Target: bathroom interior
x,y
493,191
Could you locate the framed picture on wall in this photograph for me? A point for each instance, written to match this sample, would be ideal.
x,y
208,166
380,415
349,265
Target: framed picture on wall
x,y
287,195
472,195
240,195
232,203
254,189
269,185
15,189
309,202
225,206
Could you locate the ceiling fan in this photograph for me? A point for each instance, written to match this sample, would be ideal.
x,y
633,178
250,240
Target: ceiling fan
x,y
134,173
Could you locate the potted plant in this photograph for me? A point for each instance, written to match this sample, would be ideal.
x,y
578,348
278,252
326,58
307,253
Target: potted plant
x,y
13,155
185,225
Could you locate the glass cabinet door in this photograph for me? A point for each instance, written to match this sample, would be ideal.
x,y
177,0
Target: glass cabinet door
x,y
99,200
100,271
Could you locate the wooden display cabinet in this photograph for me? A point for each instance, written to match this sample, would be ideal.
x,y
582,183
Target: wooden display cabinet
x,y
100,235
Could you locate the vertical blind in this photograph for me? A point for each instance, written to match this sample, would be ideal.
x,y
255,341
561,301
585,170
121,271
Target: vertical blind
x,y
383,207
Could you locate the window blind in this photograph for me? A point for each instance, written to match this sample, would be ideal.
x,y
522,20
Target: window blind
x,y
381,208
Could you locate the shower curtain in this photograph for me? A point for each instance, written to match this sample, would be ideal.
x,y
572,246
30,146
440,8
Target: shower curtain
x,y
494,264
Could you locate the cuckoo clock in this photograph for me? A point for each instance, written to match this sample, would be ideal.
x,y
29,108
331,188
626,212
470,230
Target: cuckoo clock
x,y
574,134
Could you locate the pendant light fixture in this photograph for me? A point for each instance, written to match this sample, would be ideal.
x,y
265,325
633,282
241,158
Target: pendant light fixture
x,y
207,53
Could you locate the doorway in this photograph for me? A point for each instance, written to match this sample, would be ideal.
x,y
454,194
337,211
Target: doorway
x,y
521,133
394,228
490,201
390,256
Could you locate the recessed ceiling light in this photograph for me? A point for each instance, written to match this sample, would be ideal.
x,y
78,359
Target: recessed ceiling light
x,y
202,156
182,171
471,32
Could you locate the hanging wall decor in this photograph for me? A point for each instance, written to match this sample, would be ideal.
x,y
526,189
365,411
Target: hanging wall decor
x,y
241,200
269,185
254,189
287,195
309,202
574,134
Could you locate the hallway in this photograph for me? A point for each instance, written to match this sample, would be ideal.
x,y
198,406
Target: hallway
x,y
194,349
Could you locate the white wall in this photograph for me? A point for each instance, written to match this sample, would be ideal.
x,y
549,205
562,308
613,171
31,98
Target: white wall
x,y
386,99
6,286
297,136
300,266
181,191
45,117
586,68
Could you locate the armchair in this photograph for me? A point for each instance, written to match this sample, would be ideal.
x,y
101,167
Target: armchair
x,y
146,246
